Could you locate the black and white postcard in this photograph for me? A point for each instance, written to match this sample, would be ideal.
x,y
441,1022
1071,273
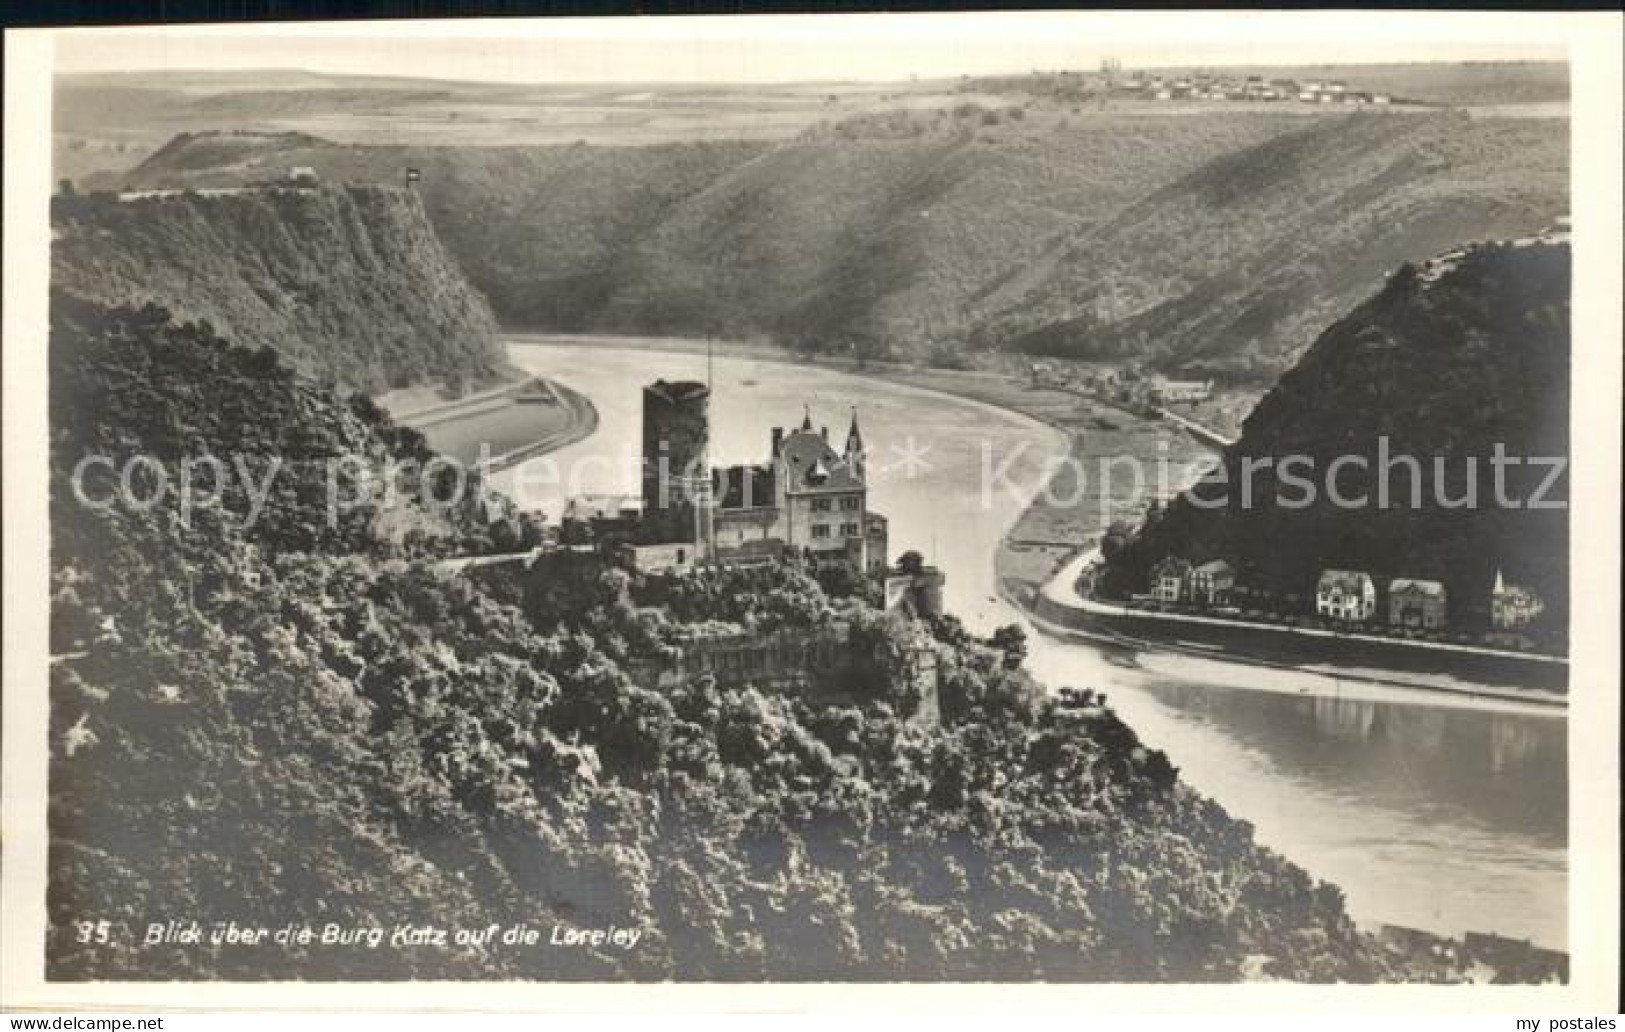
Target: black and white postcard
x,y
1088,500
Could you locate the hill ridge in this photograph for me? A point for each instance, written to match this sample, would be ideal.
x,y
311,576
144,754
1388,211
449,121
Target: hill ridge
x,y
1447,363
1211,246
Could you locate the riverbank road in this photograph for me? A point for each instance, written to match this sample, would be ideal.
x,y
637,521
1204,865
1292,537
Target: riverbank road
x,y
1207,435
1061,589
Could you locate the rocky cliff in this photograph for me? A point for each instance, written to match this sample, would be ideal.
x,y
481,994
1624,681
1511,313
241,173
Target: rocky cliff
x,y
350,284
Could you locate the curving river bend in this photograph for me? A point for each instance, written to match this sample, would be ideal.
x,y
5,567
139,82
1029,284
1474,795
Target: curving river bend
x,y
1435,813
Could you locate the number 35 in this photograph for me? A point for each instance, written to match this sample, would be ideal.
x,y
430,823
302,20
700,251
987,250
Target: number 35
x,y
94,931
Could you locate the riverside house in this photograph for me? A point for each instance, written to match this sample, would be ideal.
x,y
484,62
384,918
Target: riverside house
x,y
1211,583
1346,595
1416,603
1170,580
1512,607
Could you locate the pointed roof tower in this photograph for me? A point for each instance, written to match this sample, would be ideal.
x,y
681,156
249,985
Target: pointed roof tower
x,y
806,418
853,452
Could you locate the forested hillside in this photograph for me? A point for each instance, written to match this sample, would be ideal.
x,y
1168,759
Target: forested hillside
x,y
291,720
1236,267
350,284
888,234
1213,243
1446,364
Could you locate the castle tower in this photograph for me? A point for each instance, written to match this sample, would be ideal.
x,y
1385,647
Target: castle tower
x,y
676,434
853,453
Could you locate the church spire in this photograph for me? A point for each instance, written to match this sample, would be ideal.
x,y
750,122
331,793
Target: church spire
x,y
853,452
806,418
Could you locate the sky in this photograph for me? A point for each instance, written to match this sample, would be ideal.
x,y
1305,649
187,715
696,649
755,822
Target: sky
x,y
865,47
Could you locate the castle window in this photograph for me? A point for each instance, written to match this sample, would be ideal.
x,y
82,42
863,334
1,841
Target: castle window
x,y
820,505
820,530
849,530
851,503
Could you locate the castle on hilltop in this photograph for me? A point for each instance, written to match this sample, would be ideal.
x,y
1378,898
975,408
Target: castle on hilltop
x,y
807,498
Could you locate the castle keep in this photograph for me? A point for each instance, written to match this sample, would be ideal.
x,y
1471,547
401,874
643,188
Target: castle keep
x,y
676,436
806,498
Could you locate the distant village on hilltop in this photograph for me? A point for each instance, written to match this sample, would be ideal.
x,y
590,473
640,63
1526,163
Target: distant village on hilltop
x,y
1210,86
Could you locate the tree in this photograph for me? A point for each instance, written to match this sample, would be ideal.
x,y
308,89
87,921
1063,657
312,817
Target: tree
x,y
575,532
455,384
911,563
1116,539
1012,641
839,580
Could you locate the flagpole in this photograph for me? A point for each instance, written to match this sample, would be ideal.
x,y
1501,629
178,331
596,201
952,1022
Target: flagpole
x,y
707,531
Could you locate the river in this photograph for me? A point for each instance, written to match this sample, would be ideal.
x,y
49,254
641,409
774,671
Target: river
x,y
1436,813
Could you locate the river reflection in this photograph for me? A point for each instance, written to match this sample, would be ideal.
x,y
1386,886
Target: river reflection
x,y
1431,811
1504,772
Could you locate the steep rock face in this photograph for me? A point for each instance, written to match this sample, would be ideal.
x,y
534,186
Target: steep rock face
x,y
540,230
350,284
1446,364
